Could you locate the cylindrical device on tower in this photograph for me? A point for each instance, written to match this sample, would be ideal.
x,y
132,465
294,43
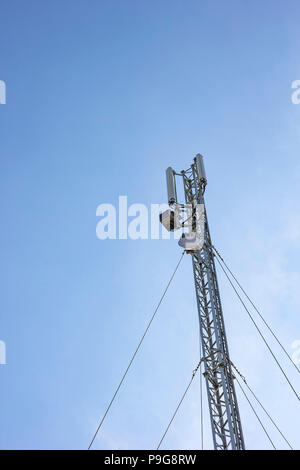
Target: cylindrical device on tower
x,y
200,168
171,185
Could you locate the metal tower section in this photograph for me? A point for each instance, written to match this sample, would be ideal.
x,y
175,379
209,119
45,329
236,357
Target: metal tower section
x,y
223,407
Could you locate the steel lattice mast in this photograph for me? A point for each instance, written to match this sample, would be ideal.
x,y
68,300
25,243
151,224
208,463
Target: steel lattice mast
x,y
222,401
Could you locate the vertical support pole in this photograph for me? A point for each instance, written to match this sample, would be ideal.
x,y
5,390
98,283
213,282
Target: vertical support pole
x,y
223,407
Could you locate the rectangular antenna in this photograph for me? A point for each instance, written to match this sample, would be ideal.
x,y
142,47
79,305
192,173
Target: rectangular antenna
x,y
200,168
171,185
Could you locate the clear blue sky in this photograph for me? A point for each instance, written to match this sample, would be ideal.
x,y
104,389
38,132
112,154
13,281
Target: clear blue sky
x,y
102,96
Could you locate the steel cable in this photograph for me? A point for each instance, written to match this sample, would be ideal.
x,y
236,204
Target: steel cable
x,y
261,405
256,309
253,409
135,353
260,333
178,406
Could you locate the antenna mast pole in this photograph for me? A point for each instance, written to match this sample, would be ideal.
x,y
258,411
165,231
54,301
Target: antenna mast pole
x,y
222,401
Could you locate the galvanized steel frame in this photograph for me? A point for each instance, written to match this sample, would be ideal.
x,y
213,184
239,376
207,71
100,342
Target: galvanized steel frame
x,y
223,407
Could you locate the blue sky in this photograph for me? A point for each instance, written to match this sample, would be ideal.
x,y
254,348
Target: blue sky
x,y
102,96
